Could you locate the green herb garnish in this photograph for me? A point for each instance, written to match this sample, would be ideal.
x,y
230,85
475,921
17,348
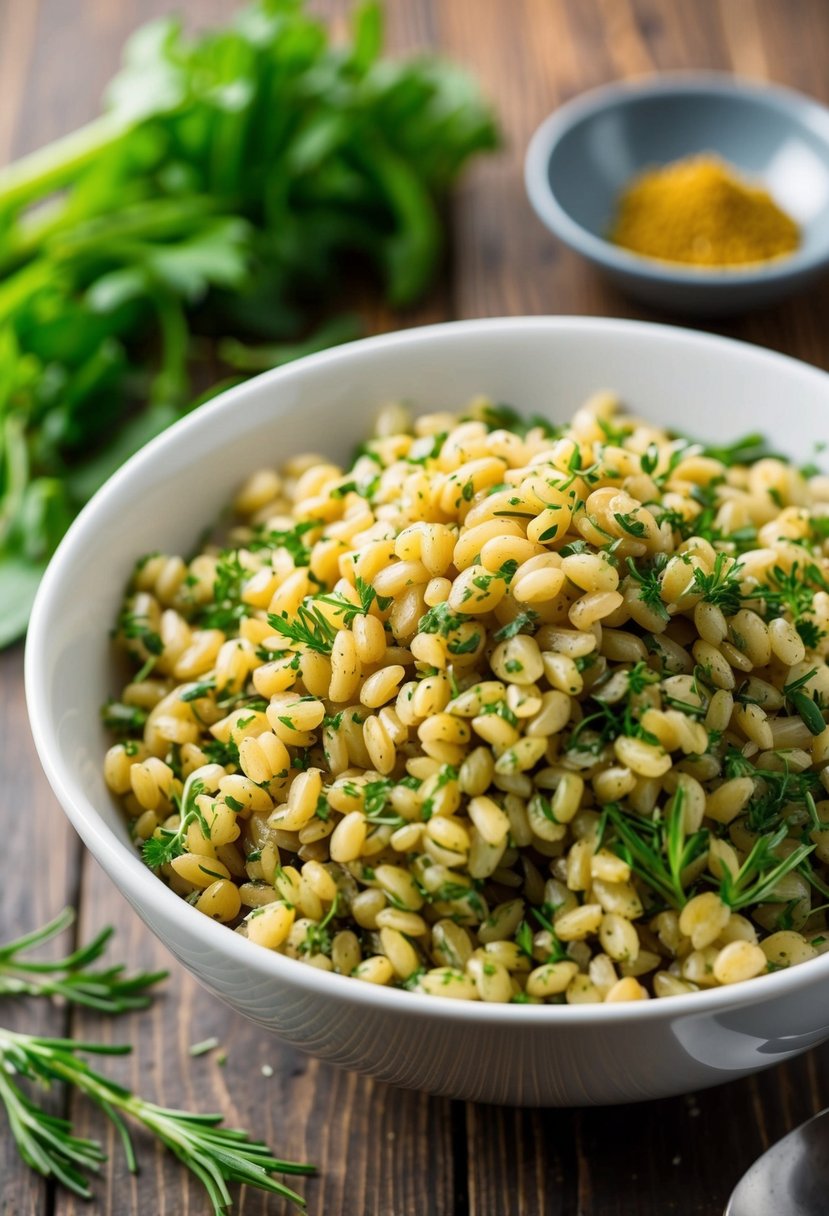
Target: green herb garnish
x,y
72,978
761,871
631,525
523,622
161,848
650,588
722,585
658,849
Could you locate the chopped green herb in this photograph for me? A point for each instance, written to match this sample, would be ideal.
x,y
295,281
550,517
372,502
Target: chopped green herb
x,y
162,847
523,622
809,711
574,546
123,719
467,646
202,1048
308,628
442,620
810,633
227,608
291,539
505,418
722,586
197,691
524,939
791,591
650,587
650,459
631,525
747,450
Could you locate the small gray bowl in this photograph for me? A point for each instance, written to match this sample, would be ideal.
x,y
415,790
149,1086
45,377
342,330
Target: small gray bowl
x,y
582,156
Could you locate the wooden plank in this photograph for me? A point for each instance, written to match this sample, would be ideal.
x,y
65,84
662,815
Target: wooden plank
x,y
41,854
506,263
90,33
649,1160
41,857
521,1161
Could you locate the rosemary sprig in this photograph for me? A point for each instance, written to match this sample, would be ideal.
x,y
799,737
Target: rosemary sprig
x,y
658,850
761,871
72,977
216,1155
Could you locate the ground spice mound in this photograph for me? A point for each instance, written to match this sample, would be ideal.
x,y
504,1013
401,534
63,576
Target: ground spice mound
x,y
696,210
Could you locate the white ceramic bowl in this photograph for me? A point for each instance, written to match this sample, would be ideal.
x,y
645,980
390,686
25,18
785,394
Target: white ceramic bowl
x,y
163,498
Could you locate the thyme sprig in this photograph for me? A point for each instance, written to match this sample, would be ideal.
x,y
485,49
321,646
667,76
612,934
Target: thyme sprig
x,y
791,590
650,586
308,627
779,792
165,844
72,978
609,721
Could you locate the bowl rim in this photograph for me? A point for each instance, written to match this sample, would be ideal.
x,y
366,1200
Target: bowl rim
x,y
145,888
804,111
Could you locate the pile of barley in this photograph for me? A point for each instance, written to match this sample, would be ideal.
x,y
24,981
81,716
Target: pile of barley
x,y
504,712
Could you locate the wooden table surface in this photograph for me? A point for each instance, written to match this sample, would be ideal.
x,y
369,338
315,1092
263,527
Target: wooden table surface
x,y
381,1151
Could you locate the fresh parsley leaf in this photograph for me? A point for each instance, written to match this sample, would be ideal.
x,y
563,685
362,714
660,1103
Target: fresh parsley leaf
x,y
523,622
631,525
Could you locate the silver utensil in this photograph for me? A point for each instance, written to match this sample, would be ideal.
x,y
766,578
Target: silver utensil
x,y
791,1178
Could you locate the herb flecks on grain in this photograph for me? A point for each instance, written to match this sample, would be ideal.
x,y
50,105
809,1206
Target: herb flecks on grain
x,y
503,711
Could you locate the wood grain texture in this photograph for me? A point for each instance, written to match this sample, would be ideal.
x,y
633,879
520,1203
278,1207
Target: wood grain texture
x,y
306,1110
547,51
41,872
384,1152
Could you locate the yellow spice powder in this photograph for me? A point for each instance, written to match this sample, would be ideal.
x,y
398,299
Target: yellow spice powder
x,y
696,210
